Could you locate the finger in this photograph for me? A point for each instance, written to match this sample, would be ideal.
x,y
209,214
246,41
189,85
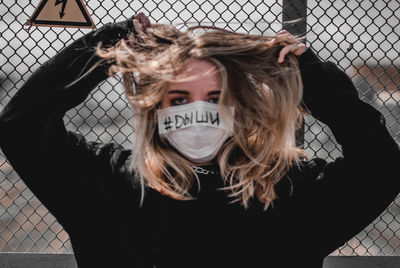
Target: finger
x,y
281,36
282,55
283,31
143,19
301,48
297,49
285,51
137,25
138,15
278,40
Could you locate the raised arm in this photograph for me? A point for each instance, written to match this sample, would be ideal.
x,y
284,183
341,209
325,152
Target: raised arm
x,y
355,189
53,162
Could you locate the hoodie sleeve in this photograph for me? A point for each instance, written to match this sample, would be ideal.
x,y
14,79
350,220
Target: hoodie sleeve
x,y
352,191
56,164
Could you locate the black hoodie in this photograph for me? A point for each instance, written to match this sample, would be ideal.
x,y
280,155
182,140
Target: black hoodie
x,y
89,188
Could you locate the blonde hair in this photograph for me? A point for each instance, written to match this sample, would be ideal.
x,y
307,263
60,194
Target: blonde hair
x,y
266,96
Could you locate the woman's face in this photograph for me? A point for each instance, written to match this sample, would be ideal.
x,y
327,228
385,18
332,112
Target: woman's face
x,y
206,85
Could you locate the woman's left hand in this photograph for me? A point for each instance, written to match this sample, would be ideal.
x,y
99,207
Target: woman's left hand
x,y
297,48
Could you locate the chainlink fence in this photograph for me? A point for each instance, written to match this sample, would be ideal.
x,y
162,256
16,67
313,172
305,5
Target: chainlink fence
x,y
362,37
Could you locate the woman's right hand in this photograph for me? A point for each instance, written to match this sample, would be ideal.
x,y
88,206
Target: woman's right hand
x,y
110,33
140,22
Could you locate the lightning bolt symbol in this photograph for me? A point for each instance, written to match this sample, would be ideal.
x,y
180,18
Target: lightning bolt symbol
x,y
64,2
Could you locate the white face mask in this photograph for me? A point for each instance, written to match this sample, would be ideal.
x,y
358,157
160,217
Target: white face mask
x,y
195,129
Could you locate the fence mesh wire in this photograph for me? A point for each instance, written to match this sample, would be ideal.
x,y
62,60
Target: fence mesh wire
x,y
362,37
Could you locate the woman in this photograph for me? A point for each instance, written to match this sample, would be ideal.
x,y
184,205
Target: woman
x,y
214,178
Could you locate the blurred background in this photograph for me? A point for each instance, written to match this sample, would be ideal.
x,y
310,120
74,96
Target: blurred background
x,y
362,37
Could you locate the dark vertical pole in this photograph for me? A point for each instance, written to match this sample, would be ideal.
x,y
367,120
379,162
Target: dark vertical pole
x,y
295,10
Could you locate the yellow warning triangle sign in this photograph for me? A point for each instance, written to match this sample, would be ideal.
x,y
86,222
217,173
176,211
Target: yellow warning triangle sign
x,y
61,13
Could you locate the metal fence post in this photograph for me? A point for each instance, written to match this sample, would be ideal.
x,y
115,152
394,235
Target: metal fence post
x,y
292,10
295,10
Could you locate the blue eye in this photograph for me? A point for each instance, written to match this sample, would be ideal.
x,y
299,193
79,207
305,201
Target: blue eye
x,y
178,101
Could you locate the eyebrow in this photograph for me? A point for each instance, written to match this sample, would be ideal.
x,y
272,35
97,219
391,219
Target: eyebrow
x,y
213,92
178,91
